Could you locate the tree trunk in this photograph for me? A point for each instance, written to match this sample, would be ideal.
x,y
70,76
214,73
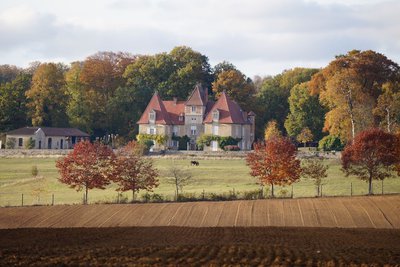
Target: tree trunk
x,y
318,190
272,190
133,195
370,185
86,194
177,191
388,120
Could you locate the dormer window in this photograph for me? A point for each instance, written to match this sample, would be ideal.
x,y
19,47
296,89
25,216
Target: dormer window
x,y
193,109
152,116
180,118
215,115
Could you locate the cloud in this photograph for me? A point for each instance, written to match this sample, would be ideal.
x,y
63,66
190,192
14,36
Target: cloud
x,y
259,37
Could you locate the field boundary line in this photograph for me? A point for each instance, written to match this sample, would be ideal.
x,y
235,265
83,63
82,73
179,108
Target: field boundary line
x,y
204,217
301,213
101,224
173,216
237,214
383,214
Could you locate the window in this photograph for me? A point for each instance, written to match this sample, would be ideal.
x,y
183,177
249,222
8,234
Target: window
x,y
193,119
181,117
193,108
215,129
20,141
152,130
175,130
215,115
152,116
193,130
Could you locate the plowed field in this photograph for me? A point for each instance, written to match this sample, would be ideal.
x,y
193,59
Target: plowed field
x,y
294,232
345,212
186,246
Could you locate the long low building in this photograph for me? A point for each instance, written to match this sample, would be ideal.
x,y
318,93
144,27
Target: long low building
x,y
44,138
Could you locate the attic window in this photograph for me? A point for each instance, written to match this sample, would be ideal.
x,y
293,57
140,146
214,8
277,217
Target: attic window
x,y
215,115
193,108
152,116
180,117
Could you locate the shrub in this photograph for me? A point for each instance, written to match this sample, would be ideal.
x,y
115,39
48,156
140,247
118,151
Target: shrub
x,y
228,140
187,197
30,144
330,142
182,140
251,195
231,148
11,142
34,171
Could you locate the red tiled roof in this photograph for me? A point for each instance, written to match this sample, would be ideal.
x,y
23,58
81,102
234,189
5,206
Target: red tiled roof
x,y
229,111
174,109
157,105
49,131
198,97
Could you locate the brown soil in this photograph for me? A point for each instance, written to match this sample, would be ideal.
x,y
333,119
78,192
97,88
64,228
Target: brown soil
x,y
343,212
186,246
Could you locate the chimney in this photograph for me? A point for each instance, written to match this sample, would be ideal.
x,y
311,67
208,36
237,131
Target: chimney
x,y
175,100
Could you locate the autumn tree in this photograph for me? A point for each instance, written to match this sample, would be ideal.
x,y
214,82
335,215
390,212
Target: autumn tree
x,y
315,170
372,155
237,86
134,172
88,166
8,73
179,178
271,130
388,106
47,97
349,87
274,163
305,136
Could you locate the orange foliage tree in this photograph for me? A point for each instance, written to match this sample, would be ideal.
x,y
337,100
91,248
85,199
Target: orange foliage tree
x,y
274,162
373,154
135,172
88,166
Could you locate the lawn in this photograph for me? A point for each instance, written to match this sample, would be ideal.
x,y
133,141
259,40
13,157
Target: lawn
x,y
212,176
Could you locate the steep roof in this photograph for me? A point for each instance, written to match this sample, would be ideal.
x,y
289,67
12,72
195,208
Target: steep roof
x,y
49,131
198,97
157,105
175,109
229,111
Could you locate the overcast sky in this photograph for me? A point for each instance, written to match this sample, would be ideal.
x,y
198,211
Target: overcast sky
x,y
259,37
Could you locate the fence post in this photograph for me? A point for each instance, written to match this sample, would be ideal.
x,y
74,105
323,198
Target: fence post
x,y
118,199
382,187
292,192
22,200
203,194
321,190
52,199
351,189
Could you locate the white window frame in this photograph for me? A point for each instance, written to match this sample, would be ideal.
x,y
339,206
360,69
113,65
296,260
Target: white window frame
x,y
193,109
152,116
193,130
152,130
215,115
215,129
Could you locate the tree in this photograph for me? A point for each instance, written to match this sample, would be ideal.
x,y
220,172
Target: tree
x,y
237,86
274,163
349,87
372,154
305,112
47,96
179,178
134,172
305,136
13,103
315,169
331,142
271,130
88,166
8,73
388,106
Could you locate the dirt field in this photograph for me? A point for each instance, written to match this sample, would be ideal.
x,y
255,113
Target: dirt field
x,y
343,212
184,246
292,232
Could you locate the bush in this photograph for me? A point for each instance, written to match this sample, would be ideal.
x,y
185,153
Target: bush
x,y
157,198
11,142
251,195
231,148
187,197
331,142
34,171
228,140
30,144
183,140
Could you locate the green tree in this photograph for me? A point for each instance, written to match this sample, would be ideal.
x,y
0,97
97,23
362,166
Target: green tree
x,y
305,112
47,96
13,103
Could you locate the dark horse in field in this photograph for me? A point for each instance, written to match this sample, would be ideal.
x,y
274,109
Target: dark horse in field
x,y
194,163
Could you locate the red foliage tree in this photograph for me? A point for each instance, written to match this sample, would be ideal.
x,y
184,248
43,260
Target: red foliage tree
x,y
373,154
88,166
134,171
274,162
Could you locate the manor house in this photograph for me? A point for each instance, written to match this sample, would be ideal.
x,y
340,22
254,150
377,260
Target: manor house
x,y
198,115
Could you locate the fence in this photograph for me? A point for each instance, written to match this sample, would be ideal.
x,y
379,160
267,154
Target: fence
x,y
99,196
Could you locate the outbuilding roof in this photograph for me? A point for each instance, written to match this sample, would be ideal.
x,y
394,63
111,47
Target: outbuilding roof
x,y
49,131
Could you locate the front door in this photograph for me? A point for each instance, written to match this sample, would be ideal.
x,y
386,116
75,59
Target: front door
x,y
62,144
40,144
49,141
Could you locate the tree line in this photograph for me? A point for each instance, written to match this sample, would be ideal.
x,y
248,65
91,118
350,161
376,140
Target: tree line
x,y
107,92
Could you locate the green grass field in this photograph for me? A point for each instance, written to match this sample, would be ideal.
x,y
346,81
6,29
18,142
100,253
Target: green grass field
x,y
212,176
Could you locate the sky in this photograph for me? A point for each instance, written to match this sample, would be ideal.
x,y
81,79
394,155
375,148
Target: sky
x,y
260,37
